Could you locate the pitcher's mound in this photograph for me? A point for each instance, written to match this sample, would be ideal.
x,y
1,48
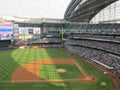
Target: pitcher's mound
x,y
61,70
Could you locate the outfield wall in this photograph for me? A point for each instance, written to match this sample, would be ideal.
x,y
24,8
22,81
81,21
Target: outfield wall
x,y
5,43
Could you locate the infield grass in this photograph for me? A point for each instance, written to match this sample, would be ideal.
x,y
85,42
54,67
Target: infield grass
x,y
49,72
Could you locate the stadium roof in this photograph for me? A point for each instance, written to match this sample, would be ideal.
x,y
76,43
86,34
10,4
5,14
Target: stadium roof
x,y
85,10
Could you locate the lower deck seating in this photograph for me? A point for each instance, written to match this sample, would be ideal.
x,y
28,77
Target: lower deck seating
x,y
98,55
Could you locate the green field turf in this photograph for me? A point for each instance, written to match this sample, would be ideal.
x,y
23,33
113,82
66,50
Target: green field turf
x,y
11,59
49,72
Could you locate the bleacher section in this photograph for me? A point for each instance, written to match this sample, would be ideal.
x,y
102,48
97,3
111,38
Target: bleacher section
x,y
98,43
108,29
102,45
51,38
98,55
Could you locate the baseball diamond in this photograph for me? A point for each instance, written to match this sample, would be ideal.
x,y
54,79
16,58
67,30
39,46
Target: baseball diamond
x,y
37,67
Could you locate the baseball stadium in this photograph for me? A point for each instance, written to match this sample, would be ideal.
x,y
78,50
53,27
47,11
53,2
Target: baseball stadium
x,y
79,52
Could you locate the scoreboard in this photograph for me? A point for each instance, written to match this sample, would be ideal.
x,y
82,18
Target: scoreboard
x,y
6,31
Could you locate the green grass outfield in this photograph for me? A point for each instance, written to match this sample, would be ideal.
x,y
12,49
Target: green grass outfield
x,y
11,59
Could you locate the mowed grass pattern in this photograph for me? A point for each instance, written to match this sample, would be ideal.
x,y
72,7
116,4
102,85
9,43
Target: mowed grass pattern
x,y
11,59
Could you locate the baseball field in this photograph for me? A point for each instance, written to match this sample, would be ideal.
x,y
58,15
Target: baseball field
x,y
48,69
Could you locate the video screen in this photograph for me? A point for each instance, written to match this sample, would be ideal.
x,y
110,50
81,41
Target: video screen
x,y
6,31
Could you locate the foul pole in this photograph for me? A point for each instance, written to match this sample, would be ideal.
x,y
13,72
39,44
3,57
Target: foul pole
x,y
62,36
